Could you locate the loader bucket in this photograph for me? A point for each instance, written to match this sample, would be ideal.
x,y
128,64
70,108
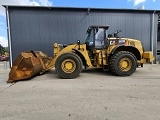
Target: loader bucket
x,y
28,64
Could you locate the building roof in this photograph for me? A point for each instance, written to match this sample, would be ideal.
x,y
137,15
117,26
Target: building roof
x,y
83,8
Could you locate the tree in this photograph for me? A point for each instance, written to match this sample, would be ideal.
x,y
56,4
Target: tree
x,y
3,50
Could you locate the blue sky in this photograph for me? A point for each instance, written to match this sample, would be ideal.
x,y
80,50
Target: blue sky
x,y
125,4
132,4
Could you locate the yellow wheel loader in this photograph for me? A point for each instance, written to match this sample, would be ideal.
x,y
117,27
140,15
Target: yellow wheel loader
x,y
121,56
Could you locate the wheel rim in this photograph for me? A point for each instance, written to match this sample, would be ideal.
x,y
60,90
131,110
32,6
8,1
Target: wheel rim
x,y
68,66
125,64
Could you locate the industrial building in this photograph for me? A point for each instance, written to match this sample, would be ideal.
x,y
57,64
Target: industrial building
x,y
38,28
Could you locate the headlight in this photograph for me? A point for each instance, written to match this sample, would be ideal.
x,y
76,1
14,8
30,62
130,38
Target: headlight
x,y
117,42
121,41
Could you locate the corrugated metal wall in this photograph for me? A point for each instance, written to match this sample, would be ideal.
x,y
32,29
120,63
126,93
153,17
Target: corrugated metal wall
x,y
38,28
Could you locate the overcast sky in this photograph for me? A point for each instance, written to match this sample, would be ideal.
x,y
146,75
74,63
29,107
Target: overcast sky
x,y
129,4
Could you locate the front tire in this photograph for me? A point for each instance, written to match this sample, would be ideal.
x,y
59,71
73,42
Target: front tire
x,y
123,63
68,65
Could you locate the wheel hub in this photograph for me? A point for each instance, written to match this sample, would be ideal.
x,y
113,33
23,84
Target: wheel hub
x,y
125,64
68,65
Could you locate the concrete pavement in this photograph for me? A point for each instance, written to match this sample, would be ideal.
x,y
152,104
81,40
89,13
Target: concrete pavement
x,y
94,95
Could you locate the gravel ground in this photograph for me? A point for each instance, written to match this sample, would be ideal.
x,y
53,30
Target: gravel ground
x,y
94,95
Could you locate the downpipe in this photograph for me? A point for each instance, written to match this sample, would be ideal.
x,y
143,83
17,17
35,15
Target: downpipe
x,y
152,38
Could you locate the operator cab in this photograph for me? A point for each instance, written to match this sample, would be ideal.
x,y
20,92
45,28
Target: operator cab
x,y
97,36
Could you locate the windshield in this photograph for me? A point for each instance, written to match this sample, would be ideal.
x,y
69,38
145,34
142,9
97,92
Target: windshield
x,y
96,38
99,35
100,38
90,37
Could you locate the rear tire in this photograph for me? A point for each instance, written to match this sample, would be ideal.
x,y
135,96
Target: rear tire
x,y
68,65
123,63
